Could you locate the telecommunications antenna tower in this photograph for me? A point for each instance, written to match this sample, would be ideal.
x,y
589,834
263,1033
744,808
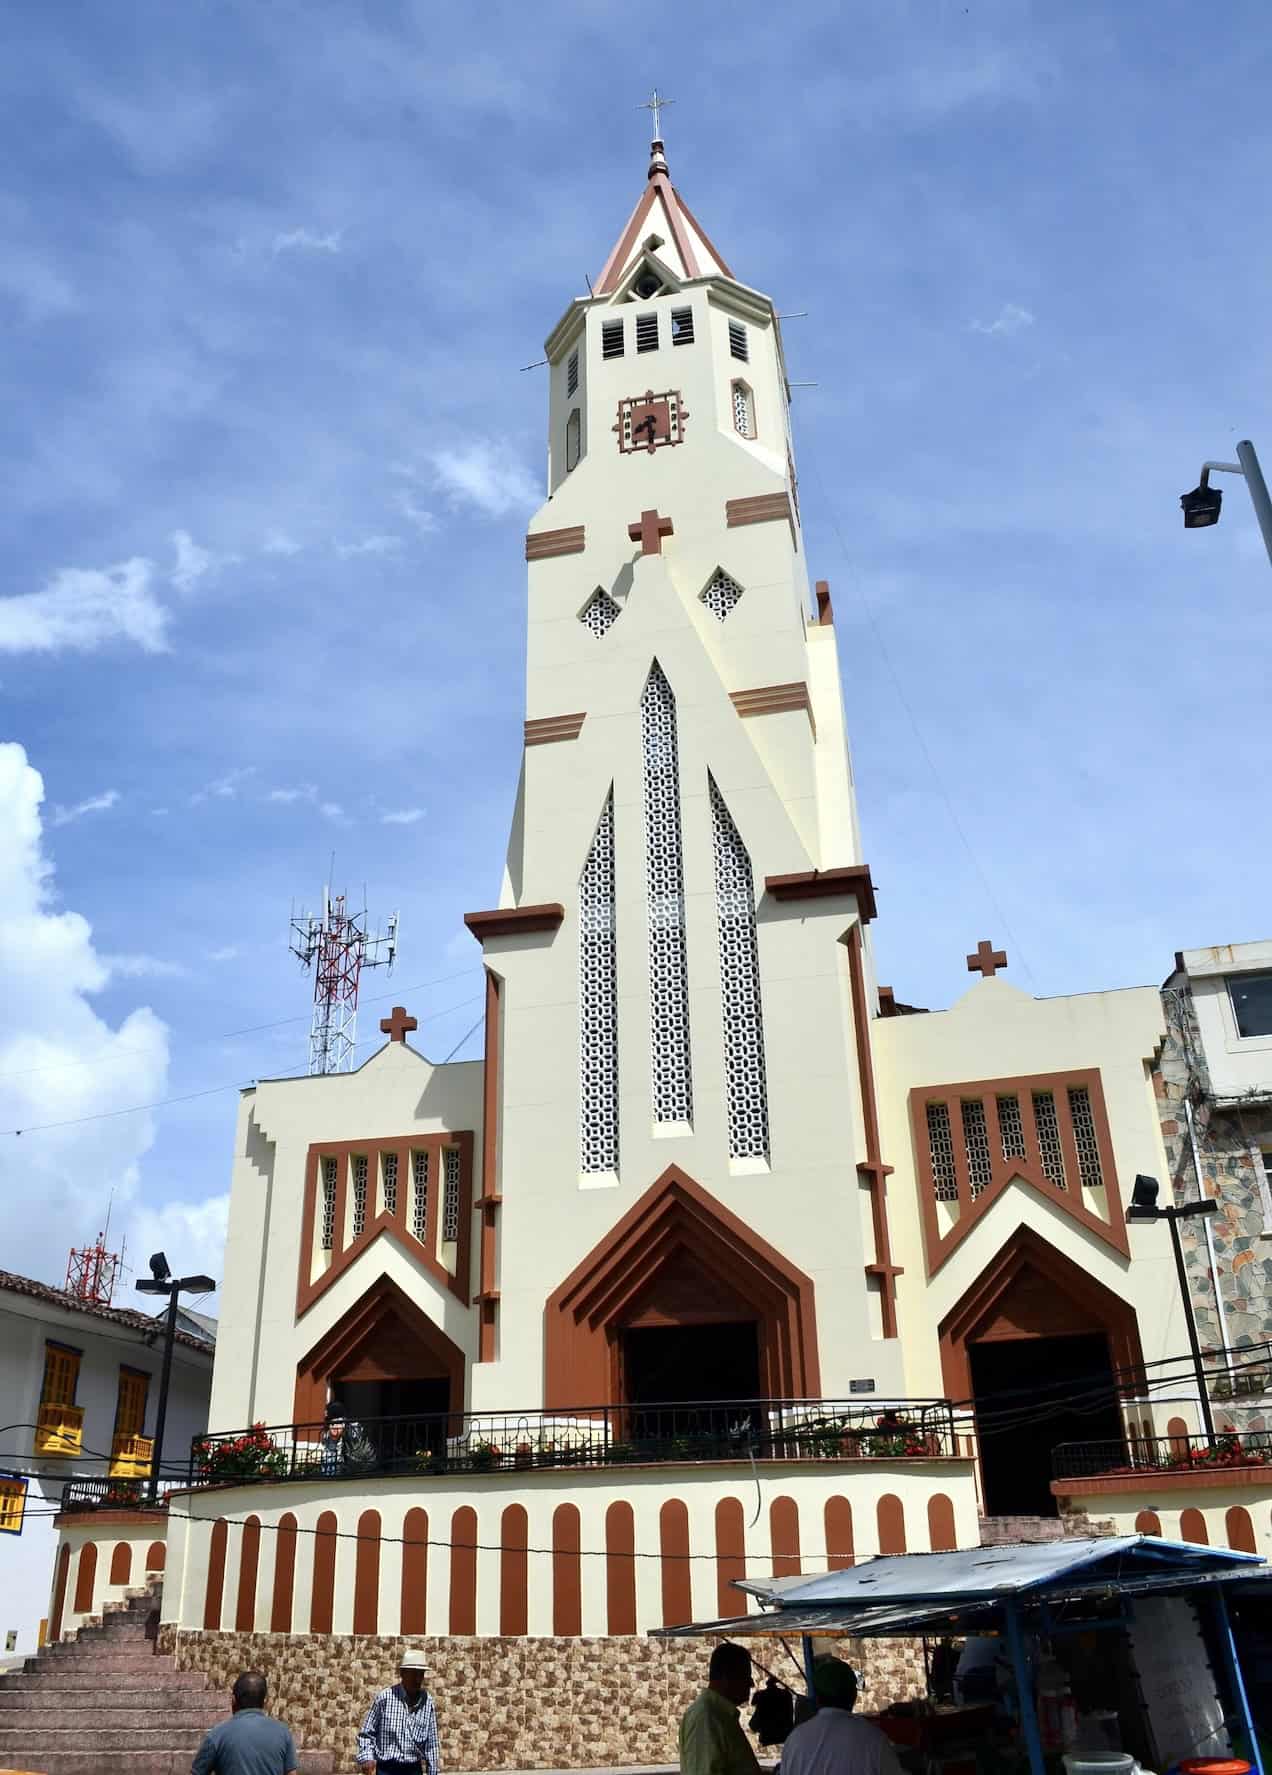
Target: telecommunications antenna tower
x,y
337,947
92,1270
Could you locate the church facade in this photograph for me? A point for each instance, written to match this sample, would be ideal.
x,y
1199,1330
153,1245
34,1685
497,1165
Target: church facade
x,y
720,1260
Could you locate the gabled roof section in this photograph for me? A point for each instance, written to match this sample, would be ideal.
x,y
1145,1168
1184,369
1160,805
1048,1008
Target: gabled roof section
x,y
684,246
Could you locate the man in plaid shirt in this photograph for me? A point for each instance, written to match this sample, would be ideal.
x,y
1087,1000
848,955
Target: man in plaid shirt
x,y
399,1734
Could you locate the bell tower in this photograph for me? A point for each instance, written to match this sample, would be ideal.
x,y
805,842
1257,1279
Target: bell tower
x,y
679,960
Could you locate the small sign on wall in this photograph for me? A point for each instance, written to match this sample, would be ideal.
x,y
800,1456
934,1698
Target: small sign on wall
x,y
861,1386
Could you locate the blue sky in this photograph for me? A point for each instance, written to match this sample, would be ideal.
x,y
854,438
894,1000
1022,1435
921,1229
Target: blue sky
x,y
267,278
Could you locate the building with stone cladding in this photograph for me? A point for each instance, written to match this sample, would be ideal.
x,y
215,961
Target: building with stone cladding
x,y
721,1260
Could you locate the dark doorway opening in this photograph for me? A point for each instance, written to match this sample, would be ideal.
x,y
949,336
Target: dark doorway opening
x,y
415,1410
1030,1394
683,1378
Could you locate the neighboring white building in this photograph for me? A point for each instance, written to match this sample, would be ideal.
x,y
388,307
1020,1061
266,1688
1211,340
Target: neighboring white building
x,y
79,1386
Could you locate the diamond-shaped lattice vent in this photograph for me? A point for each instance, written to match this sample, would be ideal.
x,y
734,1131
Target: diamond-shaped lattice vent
x,y
598,1004
599,612
746,1088
721,594
671,1072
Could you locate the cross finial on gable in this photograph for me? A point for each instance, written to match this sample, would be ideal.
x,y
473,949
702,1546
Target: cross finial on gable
x,y
649,532
657,104
986,960
398,1025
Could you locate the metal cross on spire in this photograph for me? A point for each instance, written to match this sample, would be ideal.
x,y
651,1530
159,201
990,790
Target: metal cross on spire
x,y
656,103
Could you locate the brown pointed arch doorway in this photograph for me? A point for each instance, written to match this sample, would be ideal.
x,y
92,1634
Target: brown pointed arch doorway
x,y
1041,1350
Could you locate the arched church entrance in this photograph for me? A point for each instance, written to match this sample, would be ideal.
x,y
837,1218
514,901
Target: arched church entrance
x,y
681,1305
1042,1351
391,1368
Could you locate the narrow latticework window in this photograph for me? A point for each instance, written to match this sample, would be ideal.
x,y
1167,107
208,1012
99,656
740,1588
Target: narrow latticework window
x,y
671,1072
941,1147
1084,1139
598,1003
745,1085
980,1168
573,434
647,332
743,410
572,372
1049,1148
389,1173
612,338
599,612
737,341
1011,1128
328,1203
358,1165
450,1194
720,595
682,326
419,1194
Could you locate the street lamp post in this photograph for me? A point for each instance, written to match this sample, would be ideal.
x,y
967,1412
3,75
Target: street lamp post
x,y
162,1281
1202,506
1144,1206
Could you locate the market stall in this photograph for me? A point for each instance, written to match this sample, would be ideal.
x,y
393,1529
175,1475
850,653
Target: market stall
x,y
1133,1619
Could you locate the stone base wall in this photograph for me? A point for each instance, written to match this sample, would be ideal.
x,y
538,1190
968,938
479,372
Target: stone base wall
x,y
514,1703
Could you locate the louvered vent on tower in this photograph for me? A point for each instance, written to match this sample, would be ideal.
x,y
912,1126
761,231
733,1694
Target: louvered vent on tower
x,y
746,1086
598,1003
599,613
671,1071
720,594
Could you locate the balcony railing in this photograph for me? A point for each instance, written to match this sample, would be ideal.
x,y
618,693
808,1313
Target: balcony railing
x,y
59,1430
115,1494
130,1457
1162,1454
586,1437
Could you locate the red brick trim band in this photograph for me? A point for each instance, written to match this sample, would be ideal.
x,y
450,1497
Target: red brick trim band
x,y
548,729
820,884
871,1170
760,508
514,921
1160,1482
774,699
545,544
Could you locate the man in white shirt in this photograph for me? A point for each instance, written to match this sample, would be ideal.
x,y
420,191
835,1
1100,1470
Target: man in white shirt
x,y
833,1742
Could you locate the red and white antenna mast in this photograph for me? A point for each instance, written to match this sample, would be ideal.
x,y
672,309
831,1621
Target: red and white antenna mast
x,y
336,945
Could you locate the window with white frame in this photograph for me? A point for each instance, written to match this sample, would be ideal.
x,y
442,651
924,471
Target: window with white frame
x,y
682,326
599,613
720,594
450,1194
328,1164
1251,998
389,1181
746,1087
573,434
743,410
671,1070
738,346
647,332
572,372
598,1003
612,338
359,1169
419,1194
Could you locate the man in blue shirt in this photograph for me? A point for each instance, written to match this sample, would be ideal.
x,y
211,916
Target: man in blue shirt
x,y
249,1742
399,1734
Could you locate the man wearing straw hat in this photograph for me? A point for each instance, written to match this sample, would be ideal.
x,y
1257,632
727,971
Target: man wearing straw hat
x,y
399,1734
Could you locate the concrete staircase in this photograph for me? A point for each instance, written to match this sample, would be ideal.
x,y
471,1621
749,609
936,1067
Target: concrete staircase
x,y
108,1703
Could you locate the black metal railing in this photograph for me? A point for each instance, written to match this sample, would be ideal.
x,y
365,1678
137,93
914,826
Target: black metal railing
x,y
117,1494
585,1436
1162,1454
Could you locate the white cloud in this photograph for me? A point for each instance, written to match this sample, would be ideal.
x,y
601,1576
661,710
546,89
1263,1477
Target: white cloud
x,y
224,788
96,804
144,967
83,607
307,792
305,240
331,810
423,519
228,953
37,290
58,1059
277,542
1011,318
190,1234
406,816
486,475
369,545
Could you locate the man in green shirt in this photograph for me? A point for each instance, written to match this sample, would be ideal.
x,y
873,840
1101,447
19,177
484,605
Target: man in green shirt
x,y
712,1741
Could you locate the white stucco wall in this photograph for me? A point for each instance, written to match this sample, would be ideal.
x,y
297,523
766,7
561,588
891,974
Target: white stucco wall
x,y
1237,1064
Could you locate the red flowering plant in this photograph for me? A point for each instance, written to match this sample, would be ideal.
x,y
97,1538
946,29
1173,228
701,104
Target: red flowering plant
x,y
249,1456
1225,1451
894,1435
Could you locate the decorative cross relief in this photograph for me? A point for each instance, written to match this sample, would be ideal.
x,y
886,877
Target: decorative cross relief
x,y
398,1026
987,960
650,531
